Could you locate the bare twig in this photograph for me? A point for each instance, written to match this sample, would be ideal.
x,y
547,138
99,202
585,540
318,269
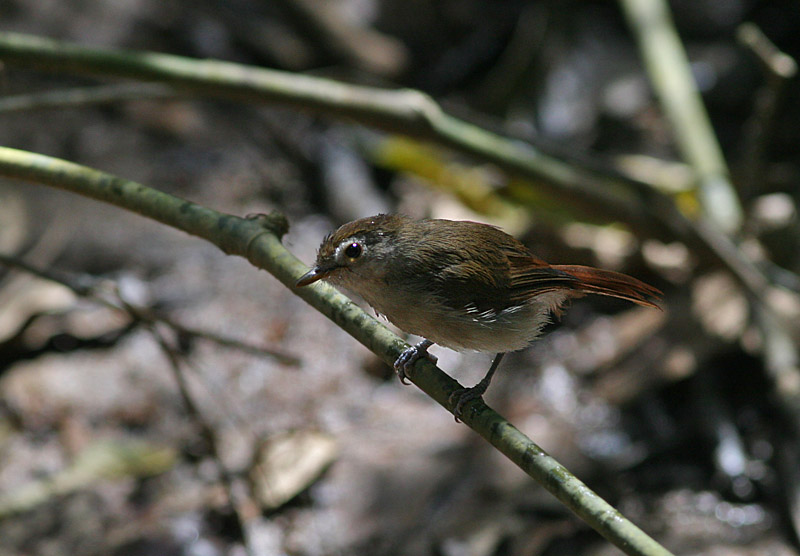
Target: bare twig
x,y
97,291
404,111
671,76
83,96
779,68
206,430
362,47
775,62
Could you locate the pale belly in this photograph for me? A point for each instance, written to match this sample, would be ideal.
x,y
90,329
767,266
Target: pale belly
x,y
509,330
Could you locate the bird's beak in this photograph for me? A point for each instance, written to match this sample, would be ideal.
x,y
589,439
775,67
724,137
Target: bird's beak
x,y
311,276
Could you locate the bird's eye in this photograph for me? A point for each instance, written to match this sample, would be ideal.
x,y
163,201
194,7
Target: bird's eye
x,y
353,251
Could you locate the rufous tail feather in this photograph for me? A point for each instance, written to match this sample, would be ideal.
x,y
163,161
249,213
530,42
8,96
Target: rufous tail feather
x,y
613,284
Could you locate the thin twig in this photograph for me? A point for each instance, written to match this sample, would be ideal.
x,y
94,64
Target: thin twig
x,y
206,430
258,240
774,61
356,45
97,291
671,76
779,69
83,286
406,111
84,96
228,342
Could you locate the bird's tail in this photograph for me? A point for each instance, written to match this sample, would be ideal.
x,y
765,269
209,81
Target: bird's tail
x,y
613,284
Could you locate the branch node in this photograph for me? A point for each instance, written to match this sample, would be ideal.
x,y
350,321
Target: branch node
x,y
275,222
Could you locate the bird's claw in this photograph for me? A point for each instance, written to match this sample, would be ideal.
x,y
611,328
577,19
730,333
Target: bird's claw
x,y
410,356
461,396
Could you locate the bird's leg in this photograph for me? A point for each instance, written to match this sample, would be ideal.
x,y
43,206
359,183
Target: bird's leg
x,y
463,395
410,356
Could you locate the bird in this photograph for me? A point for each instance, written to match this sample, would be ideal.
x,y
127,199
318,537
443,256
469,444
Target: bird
x,y
463,285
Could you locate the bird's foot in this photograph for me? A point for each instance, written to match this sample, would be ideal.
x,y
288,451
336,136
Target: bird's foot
x,y
463,395
410,356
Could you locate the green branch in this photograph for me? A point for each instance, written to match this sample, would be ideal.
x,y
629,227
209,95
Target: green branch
x,y
83,96
671,76
406,111
258,240
642,208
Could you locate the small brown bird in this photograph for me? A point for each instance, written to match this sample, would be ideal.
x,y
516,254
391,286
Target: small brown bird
x,y
462,285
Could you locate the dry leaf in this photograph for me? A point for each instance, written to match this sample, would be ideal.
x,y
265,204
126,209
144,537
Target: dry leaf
x,y
289,463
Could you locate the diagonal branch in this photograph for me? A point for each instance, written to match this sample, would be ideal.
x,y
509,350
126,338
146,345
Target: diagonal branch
x,y
258,240
645,210
405,111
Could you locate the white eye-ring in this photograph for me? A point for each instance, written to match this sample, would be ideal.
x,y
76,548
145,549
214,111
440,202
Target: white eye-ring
x,y
350,250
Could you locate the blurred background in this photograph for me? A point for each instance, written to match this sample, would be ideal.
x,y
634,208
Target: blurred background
x,y
178,401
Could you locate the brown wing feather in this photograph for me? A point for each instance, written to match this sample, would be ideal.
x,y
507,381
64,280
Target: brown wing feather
x,y
531,277
482,267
